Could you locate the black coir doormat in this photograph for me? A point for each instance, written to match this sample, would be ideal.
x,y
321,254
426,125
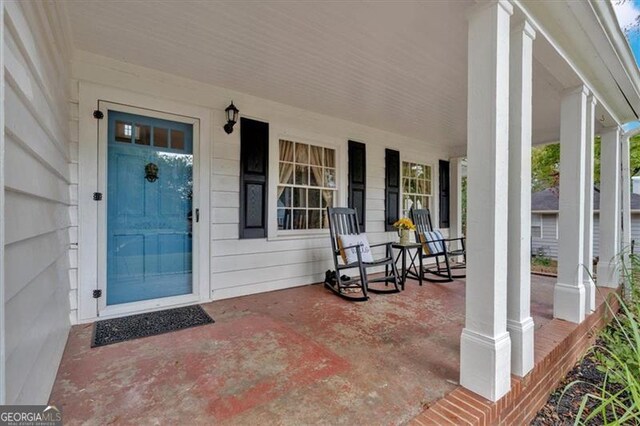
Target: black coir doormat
x,y
116,330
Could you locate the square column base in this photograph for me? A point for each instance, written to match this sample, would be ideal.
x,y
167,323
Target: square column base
x,y
522,349
589,294
608,275
568,302
485,364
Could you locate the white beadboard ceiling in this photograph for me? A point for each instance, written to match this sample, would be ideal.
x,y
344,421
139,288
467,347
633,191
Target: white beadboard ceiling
x,y
397,66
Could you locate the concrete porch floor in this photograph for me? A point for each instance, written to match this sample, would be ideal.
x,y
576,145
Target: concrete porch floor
x,y
297,356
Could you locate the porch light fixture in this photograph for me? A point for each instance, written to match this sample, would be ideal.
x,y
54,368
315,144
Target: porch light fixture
x,y
232,117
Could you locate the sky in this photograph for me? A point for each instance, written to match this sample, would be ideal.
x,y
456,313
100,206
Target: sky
x,y
627,12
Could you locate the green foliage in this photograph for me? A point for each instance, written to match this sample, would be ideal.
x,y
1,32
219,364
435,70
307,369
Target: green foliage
x,y
541,258
618,399
545,163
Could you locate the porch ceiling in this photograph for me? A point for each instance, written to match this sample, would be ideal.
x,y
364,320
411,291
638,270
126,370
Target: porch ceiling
x,y
401,68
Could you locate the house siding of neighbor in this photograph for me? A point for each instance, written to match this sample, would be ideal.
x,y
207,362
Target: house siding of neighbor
x,y
38,175
544,213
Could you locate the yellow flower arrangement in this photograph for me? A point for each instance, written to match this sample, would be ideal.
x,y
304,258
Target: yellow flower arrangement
x,y
404,223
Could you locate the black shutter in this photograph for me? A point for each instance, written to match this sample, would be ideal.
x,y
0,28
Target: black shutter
x,y
391,188
358,180
254,169
444,193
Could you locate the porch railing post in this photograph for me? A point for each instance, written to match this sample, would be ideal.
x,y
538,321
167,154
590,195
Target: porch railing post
x,y
608,267
519,321
485,361
569,292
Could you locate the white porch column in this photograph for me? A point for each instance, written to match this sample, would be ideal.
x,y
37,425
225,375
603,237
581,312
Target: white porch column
x,y
519,321
625,190
608,268
569,293
485,347
587,280
455,184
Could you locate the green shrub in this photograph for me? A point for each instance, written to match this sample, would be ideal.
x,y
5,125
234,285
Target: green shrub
x,y
617,401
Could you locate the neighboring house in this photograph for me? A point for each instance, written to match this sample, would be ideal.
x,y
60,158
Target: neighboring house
x,y
125,191
544,222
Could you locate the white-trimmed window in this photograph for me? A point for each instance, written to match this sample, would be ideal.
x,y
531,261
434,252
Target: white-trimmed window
x,y
306,185
536,226
416,186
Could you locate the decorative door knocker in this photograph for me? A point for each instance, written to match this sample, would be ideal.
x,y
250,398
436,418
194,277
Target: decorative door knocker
x,y
151,172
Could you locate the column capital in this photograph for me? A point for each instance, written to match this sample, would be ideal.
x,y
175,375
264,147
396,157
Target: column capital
x,y
485,4
579,89
525,27
592,99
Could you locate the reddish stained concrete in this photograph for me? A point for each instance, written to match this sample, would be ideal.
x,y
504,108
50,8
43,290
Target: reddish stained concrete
x,y
297,356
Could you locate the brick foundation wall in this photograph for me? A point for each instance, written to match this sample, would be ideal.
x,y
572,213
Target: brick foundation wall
x,y
558,346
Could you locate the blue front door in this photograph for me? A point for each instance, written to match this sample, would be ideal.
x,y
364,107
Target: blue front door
x,y
149,213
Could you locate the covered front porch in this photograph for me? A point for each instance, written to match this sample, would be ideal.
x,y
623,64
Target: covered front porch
x,y
295,356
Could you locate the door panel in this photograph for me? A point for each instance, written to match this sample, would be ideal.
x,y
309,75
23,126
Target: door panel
x,y
149,239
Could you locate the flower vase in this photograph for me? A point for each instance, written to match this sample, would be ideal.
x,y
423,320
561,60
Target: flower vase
x,y
404,236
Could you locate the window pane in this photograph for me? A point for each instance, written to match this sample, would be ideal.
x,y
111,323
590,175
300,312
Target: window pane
x,y
330,178
427,172
420,186
412,186
314,198
299,197
427,188
329,157
418,171
325,219
406,169
314,219
284,198
143,135
284,219
417,203
327,198
302,175
302,153
286,173
177,139
315,178
405,185
123,131
286,150
299,219
316,156
160,137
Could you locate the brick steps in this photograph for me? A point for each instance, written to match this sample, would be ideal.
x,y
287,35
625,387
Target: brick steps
x,y
558,345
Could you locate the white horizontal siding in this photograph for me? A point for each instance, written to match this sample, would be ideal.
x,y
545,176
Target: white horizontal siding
x,y
248,266
37,199
548,244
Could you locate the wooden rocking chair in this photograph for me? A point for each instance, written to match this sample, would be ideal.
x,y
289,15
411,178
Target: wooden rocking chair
x,y
343,221
438,247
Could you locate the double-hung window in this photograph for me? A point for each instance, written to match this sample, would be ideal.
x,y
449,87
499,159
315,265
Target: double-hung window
x,y
536,226
306,185
416,187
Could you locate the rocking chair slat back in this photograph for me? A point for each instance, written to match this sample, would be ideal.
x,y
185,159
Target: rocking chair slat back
x,y
422,220
342,221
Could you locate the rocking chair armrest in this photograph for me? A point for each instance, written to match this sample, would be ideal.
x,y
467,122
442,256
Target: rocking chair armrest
x,y
355,246
380,244
454,239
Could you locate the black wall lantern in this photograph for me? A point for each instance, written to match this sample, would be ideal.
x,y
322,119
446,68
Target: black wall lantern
x,y
232,117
